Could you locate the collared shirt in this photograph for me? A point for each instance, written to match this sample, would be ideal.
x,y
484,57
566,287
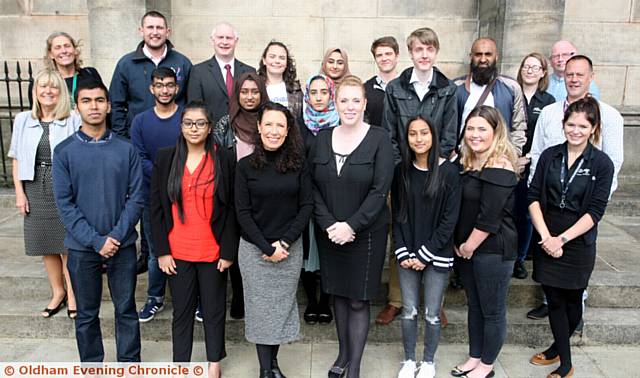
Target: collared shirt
x,y
549,132
475,92
221,63
26,136
558,89
89,139
421,88
576,188
381,83
156,61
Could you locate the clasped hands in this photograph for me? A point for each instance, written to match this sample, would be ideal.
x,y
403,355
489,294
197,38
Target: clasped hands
x,y
552,245
168,265
280,254
341,233
463,251
109,248
413,263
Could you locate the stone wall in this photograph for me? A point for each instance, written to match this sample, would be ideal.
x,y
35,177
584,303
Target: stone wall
x,y
607,31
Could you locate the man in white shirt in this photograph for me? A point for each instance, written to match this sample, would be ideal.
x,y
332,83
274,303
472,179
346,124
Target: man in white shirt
x,y
212,81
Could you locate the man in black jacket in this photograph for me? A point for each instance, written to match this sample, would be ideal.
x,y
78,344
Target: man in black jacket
x,y
421,90
385,51
212,81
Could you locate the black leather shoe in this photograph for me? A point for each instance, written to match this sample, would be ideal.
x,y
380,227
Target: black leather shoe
x,y
519,271
539,312
311,314
266,373
324,314
338,372
275,370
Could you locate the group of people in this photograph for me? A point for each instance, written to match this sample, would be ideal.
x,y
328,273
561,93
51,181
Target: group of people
x,y
228,168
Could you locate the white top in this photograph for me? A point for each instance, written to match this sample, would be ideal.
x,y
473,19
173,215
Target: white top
x,y
474,95
26,137
278,93
223,70
156,61
421,88
549,132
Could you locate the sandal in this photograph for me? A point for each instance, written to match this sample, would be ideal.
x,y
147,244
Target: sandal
x,y
49,312
72,314
556,375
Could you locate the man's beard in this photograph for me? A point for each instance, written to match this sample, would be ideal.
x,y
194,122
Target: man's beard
x,y
167,102
483,75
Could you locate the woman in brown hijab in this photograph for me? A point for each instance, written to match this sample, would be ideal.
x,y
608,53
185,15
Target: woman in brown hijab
x,y
335,64
238,129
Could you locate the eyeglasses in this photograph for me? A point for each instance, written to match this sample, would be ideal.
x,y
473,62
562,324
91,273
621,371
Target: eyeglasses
x,y
563,55
535,69
159,86
199,124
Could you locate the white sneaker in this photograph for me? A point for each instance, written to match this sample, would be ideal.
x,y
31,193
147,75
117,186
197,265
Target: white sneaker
x,y
408,369
427,370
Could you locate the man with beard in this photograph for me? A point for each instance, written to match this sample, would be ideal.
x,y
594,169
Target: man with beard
x,y
484,86
385,51
151,130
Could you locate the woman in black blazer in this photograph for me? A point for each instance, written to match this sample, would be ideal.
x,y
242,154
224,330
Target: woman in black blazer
x,y
195,231
567,198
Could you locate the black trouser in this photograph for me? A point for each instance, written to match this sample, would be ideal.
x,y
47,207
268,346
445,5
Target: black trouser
x,y
486,283
565,312
204,280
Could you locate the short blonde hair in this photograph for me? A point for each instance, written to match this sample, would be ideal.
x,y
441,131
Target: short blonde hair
x,y
500,148
350,81
51,77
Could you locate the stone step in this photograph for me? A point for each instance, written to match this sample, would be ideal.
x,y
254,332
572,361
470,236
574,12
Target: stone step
x,y
606,289
21,319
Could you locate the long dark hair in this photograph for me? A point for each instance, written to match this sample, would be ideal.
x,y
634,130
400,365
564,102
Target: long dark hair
x,y
174,182
290,75
290,155
432,183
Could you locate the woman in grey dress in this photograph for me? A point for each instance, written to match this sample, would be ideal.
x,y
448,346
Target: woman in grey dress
x,y
273,194
35,135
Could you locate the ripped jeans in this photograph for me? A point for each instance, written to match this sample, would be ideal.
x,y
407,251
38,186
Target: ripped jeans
x,y
434,283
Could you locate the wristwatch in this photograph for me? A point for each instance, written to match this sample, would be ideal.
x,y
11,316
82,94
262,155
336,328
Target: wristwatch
x,y
564,239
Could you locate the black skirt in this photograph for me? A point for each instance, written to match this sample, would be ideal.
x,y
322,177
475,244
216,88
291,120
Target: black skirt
x,y
352,270
573,269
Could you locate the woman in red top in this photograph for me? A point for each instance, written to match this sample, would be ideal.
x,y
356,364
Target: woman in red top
x,y
195,231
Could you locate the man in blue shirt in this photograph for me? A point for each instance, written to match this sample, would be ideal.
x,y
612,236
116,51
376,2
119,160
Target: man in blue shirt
x,y
97,185
560,53
151,130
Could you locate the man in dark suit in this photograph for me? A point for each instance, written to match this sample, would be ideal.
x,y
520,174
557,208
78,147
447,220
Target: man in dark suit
x,y
212,80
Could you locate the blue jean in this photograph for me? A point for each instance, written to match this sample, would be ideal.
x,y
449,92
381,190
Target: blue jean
x,y
434,283
486,283
85,269
522,219
157,279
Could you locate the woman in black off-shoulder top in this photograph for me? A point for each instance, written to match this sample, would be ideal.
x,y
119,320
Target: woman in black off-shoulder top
x,y
485,237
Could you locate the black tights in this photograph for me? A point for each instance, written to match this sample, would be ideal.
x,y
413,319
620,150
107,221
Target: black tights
x,y
266,355
565,312
352,323
310,284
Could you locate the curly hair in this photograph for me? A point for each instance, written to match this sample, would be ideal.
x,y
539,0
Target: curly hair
x,y
501,146
290,75
290,155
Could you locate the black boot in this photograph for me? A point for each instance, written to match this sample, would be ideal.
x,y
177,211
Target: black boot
x,y
309,286
266,374
324,310
275,369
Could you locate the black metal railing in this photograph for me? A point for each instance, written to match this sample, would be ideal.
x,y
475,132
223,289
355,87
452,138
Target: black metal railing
x,y
15,100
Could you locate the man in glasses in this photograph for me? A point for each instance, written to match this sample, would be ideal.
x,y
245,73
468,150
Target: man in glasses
x,y
561,51
151,130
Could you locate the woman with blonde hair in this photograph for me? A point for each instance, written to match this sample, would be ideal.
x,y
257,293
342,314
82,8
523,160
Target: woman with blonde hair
x,y
485,238
62,54
35,135
352,169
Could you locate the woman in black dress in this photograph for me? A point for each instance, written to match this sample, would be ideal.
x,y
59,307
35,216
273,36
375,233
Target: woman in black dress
x,y
568,196
485,237
352,172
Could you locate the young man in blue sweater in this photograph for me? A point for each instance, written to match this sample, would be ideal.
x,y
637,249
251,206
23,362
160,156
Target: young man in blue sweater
x,y
151,130
98,188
